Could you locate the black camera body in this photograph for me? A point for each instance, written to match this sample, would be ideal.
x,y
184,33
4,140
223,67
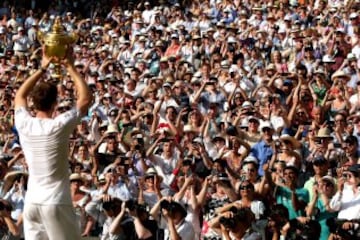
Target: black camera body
x,y
132,205
335,227
239,215
229,223
168,206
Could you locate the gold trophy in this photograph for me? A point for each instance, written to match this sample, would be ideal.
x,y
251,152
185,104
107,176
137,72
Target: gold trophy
x,y
56,43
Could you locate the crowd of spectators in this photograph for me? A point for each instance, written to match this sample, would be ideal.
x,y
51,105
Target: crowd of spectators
x,y
212,119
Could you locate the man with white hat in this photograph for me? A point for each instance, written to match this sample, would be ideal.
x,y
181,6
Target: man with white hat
x,y
21,42
148,13
351,70
354,22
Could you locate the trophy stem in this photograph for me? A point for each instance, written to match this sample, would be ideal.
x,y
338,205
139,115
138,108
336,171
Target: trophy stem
x,y
57,71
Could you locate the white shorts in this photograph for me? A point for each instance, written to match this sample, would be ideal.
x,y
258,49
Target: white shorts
x,y
50,222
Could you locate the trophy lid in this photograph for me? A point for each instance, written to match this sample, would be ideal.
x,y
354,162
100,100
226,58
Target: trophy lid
x,y
57,26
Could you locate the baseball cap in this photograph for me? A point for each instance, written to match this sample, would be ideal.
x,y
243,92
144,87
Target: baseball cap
x,y
174,35
353,15
266,124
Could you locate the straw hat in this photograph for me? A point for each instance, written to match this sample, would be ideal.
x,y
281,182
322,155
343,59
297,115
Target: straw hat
x,y
76,177
295,143
188,128
257,7
151,172
112,128
324,133
340,74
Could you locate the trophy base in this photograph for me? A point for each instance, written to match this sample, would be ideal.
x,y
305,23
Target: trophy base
x,y
56,76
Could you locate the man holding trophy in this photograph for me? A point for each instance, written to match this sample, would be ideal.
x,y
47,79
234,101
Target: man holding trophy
x,y
48,211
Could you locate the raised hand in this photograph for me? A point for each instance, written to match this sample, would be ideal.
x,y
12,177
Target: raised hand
x,y
45,61
69,58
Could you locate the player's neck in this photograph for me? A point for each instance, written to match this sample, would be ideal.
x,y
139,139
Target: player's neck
x,y
42,114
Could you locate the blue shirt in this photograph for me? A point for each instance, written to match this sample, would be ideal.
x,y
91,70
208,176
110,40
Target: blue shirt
x,y
263,152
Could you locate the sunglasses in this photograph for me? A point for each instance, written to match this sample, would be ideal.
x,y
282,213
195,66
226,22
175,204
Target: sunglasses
x,y
245,187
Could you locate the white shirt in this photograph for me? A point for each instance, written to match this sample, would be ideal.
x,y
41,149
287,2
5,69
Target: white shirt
x,y
347,204
45,143
185,230
21,43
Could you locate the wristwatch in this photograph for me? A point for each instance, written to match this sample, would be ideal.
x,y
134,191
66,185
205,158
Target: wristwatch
x,y
43,70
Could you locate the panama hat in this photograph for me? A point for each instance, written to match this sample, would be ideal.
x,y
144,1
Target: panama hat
x,y
150,172
188,128
76,177
340,74
295,143
324,133
112,128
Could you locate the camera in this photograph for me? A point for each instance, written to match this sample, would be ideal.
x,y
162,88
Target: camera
x,y
299,231
114,204
239,215
132,205
228,222
172,207
164,204
335,226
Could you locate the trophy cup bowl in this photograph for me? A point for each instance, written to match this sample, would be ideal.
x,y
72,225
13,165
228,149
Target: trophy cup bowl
x,y
56,44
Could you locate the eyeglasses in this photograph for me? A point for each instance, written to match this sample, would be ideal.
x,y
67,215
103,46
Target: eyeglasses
x,y
301,113
245,187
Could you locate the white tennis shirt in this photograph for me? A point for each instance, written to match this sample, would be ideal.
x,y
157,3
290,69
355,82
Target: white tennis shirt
x,y
45,143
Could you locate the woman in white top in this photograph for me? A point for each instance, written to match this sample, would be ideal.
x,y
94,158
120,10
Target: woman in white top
x,y
246,190
187,196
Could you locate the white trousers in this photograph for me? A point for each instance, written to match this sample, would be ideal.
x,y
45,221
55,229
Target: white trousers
x,y
50,222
